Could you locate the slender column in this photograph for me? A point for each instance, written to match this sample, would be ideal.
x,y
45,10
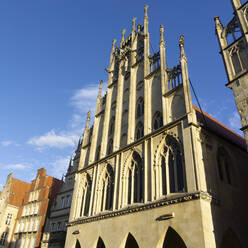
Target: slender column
x,y
74,201
147,93
223,44
116,183
186,87
132,87
190,139
96,126
85,142
119,106
108,103
93,191
164,77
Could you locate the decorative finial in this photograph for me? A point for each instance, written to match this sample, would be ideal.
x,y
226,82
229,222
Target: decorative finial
x,y
181,45
133,22
181,41
218,24
145,8
113,43
161,32
88,119
100,89
123,35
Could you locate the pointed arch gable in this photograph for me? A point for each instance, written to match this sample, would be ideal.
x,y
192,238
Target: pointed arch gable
x,y
100,243
172,239
77,244
130,242
128,160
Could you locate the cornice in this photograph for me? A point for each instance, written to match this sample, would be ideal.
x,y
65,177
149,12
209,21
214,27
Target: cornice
x,y
175,199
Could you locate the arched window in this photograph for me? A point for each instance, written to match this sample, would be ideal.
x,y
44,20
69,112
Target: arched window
x,y
111,126
135,180
157,120
107,189
110,146
78,244
100,243
224,168
85,196
140,107
169,173
172,239
123,140
131,242
139,131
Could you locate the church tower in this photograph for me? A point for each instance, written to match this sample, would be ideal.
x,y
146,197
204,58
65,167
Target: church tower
x,y
233,41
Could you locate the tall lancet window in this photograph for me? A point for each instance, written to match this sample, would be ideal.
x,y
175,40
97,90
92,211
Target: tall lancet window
x,y
139,130
169,170
107,189
157,120
140,107
135,180
85,196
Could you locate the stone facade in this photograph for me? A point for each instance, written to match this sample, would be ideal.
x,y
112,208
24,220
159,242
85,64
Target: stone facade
x,y
32,214
154,170
55,229
233,40
10,201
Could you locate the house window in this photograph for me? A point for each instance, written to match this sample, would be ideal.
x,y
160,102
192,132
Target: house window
x,y
68,200
52,227
3,238
62,202
58,226
8,220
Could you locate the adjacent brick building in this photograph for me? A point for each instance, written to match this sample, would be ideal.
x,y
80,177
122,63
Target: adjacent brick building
x,y
11,198
32,214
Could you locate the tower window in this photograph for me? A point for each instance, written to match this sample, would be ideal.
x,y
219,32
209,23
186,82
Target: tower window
x,y
110,146
140,107
157,120
139,131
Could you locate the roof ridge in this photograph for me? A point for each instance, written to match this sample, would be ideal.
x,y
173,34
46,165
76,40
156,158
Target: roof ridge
x,y
218,122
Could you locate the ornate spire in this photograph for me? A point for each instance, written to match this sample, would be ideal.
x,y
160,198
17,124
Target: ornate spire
x,y
100,89
88,119
218,24
181,45
146,13
123,35
146,20
133,24
161,33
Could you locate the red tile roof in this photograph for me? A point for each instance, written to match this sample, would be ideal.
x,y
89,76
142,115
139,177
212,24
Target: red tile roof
x,y
220,129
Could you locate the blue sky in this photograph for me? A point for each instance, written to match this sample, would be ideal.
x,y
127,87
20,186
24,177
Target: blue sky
x,y
52,57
